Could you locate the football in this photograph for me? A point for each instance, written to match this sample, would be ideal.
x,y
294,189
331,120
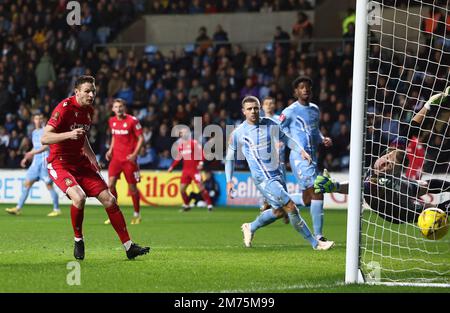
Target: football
x,y
433,223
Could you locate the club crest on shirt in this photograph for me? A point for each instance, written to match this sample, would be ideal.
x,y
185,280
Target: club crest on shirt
x,y
125,125
68,182
76,114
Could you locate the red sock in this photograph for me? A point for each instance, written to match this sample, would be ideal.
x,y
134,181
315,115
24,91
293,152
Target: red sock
x,y
118,222
185,198
113,191
206,197
77,221
136,202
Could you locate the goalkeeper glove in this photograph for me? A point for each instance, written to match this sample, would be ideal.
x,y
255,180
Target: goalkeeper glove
x,y
437,99
324,184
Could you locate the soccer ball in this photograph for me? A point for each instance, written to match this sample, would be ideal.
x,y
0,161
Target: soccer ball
x,y
433,223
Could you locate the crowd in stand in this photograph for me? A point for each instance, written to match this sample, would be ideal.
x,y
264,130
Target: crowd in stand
x,y
42,55
225,6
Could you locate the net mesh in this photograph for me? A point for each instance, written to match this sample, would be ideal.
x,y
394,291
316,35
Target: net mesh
x,y
408,62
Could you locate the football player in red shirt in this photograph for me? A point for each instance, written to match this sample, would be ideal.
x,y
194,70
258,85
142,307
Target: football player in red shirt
x,y
190,151
74,169
126,141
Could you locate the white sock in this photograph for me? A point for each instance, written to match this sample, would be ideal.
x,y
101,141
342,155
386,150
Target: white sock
x,y
127,245
319,236
78,239
56,209
136,214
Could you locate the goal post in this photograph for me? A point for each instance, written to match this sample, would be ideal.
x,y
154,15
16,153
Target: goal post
x,y
356,140
401,59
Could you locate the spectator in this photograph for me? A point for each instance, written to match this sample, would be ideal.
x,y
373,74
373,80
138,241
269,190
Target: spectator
x,y
165,160
146,157
211,186
281,40
302,31
45,72
203,41
349,19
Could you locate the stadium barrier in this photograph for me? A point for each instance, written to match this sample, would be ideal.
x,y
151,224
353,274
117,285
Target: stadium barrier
x,y
163,189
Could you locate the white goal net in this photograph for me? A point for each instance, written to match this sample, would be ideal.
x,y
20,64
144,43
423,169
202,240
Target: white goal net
x,y
408,59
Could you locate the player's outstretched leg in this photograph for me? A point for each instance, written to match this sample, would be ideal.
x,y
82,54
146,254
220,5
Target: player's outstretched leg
x,y
77,215
302,228
186,207
205,195
23,197
118,222
265,218
56,210
134,192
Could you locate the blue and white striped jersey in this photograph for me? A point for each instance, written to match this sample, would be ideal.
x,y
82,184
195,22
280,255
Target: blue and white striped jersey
x,y
257,144
301,122
36,140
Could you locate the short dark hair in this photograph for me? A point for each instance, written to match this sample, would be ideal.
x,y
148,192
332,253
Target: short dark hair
x,y
250,99
84,79
120,100
268,98
301,79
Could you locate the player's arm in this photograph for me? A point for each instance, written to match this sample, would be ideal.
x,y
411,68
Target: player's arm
x,y
230,160
176,160
108,154
428,110
132,157
30,154
324,184
50,136
90,153
293,145
201,154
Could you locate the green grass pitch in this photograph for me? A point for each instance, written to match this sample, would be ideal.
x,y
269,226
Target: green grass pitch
x,y
195,251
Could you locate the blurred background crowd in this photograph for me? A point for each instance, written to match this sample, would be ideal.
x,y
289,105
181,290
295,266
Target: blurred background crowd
x,y
41,57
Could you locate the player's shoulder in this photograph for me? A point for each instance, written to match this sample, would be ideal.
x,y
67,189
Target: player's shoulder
x,y
269,121
314,106
132,117
65,104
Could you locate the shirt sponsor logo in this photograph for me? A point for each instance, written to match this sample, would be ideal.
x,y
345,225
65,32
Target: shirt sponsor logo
x,y
84,126
120,132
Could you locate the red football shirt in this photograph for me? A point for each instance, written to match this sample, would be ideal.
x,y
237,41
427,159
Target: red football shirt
x,y
125,133
416,156
191,153
69,115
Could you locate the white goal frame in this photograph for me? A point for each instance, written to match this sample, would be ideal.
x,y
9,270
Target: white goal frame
x,y
353,274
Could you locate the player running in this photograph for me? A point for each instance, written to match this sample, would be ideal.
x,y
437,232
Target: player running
x,y
74,169
301,121
37,170
126,142
190,151
255,139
